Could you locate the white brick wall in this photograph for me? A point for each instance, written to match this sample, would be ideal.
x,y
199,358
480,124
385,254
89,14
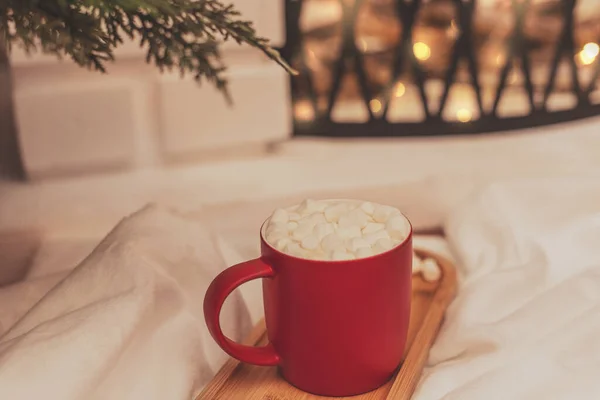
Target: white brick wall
x,y
72,121
195,119
75,125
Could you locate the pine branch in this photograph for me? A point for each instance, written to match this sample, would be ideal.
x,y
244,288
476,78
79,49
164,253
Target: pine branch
x,y
178,34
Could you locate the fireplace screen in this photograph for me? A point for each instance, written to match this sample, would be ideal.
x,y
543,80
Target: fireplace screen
x,y
434,67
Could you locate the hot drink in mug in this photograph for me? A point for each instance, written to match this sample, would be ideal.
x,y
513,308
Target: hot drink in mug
x,y
336,286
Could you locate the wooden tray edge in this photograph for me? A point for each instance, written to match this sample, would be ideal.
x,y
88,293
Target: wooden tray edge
x,y
405,381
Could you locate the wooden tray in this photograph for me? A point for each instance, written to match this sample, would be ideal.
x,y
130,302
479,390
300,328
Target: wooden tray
x,y
239,381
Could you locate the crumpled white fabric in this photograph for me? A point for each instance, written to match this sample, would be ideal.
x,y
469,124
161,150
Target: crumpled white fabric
x,y
126,323
526,321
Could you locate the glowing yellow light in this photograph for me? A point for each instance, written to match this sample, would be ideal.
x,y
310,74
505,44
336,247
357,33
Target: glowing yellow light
x,y
585,58
592,49
422,51
400,89
303,111
464,115
375,105
589,53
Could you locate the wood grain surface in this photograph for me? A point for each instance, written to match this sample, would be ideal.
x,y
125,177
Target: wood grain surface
x,y
239,381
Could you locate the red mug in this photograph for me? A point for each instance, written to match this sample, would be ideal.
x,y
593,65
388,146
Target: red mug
x,y
335,328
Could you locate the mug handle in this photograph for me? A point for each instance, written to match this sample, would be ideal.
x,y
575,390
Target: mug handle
x,y
221,287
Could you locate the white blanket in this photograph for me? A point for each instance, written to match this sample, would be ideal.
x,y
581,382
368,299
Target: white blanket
x,y
526,322
127,322
124,324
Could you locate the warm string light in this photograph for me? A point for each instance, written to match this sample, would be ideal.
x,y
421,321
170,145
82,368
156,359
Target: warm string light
x,y
399,102
464,115
589,53
400,89
422,51
592,49
304,111
375,105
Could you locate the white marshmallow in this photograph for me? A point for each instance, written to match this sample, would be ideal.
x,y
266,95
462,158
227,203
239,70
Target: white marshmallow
x,y
383,213
303,230
310,242
368,208
295,250
383,244
342,255
274,235
397,227
430,270
335,211
280,215
349,233
341,248
372,227
345,222
335,229
320,206
277,226
316,218
280,244
331,241
371,238
306,224
322,230
356,243
294,216
355,217
364,252
359,217
318,255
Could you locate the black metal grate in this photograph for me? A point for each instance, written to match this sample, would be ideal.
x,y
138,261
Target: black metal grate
x,y
462,67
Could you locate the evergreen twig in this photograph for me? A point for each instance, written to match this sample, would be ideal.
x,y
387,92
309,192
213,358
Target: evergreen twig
x,y
180,34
